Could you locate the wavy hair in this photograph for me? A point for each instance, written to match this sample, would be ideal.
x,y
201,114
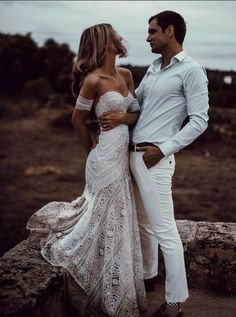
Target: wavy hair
x,y
93,46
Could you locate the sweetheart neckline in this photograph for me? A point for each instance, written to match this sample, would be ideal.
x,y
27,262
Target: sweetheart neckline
x,y
113,91
116,92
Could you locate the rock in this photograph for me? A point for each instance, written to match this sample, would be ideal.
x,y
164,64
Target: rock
x,y
42,170
30,287
187,230
210,256
26,280
215,248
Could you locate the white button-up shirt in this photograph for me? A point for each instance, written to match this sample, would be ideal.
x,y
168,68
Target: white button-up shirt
x,y
166,97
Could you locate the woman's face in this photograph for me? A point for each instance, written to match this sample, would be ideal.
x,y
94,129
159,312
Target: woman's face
x,y
115,43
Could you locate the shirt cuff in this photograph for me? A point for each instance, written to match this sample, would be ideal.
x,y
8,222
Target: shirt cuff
x,y
167,148
134,106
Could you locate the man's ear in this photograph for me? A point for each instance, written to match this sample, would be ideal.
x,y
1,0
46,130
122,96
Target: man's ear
x,y
171,31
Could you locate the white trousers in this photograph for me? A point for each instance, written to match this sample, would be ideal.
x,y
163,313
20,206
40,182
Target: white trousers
x,y
157,224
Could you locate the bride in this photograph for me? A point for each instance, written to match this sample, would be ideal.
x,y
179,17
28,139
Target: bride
x,y
95,238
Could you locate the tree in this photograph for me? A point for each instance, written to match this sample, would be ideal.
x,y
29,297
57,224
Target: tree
x,y
17,62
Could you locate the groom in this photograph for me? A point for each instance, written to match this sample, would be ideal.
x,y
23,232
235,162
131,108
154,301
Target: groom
x,y
174,87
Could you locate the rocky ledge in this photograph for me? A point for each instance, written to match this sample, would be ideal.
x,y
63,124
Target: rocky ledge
x,y
29,285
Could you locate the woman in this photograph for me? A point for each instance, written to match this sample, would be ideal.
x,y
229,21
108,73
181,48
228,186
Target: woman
x,y
95,237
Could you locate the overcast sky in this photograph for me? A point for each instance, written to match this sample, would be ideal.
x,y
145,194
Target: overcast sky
x,y
211,25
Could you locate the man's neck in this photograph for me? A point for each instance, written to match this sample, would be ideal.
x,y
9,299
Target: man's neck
x,y
169,53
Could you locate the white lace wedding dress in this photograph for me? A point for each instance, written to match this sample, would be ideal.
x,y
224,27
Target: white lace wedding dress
x,y
96,236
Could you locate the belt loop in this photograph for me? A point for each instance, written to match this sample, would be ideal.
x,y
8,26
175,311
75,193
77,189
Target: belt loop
x,y
135,148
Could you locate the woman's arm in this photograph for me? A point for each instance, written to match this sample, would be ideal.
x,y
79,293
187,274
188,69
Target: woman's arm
x,y
81,129
83,106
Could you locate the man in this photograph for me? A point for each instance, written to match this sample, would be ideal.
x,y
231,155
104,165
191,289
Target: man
x,y
174,87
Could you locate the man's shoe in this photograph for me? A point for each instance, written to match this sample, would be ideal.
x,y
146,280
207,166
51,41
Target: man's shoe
x,y
169,310
150,284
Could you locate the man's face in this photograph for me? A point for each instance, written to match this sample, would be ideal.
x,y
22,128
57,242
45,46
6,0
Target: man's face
x,y
158,40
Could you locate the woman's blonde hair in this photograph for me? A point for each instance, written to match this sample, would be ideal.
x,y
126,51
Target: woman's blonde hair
x,y
93,46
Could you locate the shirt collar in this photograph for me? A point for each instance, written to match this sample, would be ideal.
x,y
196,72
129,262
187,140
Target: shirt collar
x,y
179,57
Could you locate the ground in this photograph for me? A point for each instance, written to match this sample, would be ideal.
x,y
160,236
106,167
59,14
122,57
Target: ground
x,y
203,184
203,189
201,303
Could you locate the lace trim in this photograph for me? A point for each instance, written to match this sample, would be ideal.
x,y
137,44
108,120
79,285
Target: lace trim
x,y
83,104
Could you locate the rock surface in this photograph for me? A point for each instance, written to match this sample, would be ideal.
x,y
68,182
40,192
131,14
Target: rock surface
x,y
27,281
30,285
210,254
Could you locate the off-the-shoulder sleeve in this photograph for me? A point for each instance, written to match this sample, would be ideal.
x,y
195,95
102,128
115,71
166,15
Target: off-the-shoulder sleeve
x,y
83,104
134,106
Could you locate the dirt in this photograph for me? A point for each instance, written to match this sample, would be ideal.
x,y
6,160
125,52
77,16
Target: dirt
x,y
203,189
201,303
203,186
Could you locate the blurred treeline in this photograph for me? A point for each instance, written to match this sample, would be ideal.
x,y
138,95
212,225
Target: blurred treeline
x,y
43,74
26,68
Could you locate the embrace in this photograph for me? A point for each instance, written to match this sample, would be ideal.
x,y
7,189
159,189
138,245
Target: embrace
x,y
107,239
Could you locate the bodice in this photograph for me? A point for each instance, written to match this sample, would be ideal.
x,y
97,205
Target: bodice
x,y
108,161
110,101
113,101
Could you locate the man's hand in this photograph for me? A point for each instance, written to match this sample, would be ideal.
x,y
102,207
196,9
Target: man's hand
x,y
152,155
111,119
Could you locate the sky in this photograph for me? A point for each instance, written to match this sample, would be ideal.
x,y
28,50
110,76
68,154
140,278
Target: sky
x,y
210,38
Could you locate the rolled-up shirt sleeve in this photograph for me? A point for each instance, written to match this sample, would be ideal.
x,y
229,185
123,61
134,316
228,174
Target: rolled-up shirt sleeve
x,y
139,90
134,105
195,85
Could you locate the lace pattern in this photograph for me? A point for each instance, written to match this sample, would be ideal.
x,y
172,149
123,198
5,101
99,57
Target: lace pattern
x,y
83,104
96,237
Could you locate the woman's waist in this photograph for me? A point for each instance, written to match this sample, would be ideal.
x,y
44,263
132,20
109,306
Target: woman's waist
x,y
120,127
121,131
113,142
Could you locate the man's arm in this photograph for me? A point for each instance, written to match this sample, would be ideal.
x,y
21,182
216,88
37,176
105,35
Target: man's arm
x,y
196,93
140,89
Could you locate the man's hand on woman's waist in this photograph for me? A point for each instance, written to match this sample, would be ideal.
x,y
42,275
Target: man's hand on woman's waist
x,y
111,119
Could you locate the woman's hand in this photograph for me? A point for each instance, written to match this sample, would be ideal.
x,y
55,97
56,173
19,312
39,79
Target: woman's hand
x,y
111,119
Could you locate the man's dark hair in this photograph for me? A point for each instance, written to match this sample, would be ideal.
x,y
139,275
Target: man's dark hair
x,y
166,18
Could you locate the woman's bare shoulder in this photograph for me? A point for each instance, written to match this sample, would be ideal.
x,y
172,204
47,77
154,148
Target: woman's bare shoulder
x,y
126,74
124,71
90,86
92,80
